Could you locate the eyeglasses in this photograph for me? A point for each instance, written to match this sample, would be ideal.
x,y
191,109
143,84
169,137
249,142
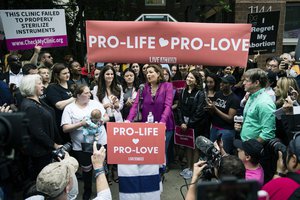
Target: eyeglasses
x,y
273,66
16,59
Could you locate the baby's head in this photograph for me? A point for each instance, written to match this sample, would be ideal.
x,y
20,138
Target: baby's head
x,y
96,116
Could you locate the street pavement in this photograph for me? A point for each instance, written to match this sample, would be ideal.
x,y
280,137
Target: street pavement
x,y
171,186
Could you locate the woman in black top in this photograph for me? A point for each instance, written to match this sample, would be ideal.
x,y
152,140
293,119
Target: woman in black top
x,y
59,95
130,88
42,127
191,114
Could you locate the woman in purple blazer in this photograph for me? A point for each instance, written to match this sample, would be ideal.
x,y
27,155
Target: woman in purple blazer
x,y
157,97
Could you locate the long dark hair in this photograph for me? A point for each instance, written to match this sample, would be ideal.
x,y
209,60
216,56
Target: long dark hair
x,y
199,82
115,89
135,81
140,77
57,68
177,76
215,78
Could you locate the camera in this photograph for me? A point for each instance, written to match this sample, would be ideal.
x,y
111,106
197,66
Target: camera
x,y
284,65
13,131
275,145
272,148
211,155
238,119
60,152
228,188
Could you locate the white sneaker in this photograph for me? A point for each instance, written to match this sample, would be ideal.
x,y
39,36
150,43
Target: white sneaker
x,y
184,171
188,174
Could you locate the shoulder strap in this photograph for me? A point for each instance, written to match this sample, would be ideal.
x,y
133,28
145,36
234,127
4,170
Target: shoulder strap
x,y
182,93
295,195
294,176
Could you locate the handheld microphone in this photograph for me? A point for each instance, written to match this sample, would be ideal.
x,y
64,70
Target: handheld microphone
x,y
141,89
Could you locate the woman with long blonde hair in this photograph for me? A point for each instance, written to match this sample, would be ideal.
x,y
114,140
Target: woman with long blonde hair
x,y
283,88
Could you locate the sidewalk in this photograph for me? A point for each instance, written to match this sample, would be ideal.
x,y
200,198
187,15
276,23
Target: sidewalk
x,y
171,186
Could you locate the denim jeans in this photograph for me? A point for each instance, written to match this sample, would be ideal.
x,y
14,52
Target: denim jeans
x,y
169,135
227,137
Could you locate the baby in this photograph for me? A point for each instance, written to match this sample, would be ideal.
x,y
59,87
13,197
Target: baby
x,y
94,123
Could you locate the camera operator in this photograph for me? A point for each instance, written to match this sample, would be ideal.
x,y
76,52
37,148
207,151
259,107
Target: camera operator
x,y
229,166
286,181
57,181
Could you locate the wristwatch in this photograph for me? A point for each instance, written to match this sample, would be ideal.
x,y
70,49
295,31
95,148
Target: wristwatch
x,y
280,174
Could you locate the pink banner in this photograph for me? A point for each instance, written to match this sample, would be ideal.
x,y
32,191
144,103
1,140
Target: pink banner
x,y
184,138
168,42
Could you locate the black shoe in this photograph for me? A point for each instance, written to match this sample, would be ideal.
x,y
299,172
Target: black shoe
x,y
87,195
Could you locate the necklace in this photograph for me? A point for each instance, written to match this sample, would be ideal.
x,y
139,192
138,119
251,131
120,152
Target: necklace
x,y
153,90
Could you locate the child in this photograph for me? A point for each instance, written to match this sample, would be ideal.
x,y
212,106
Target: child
x,y
94,123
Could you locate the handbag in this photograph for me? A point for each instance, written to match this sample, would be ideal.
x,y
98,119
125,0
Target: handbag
x,y
184,138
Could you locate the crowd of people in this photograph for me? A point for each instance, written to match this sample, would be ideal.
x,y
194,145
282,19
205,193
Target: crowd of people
x,y
67,102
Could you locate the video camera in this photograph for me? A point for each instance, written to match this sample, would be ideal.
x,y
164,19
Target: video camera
x,y
13,131
60,153
229,188
14,140
210,154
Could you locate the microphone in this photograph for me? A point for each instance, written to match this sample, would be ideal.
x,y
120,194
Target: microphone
x,y
141,89
204,145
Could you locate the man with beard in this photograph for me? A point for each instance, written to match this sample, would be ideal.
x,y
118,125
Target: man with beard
x,y
45,59
14,75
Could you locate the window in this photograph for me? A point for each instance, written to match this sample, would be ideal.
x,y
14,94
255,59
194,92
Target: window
x,y
155,2
292,22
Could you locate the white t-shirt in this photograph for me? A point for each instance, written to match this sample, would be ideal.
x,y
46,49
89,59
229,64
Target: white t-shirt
x,y
73,114
103,195
115,112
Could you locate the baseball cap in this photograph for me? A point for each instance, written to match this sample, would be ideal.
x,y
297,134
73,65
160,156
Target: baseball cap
x,y
54,178
252,147
228,79
294,145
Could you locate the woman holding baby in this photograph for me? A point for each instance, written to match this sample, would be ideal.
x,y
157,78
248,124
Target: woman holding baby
x,y
74,120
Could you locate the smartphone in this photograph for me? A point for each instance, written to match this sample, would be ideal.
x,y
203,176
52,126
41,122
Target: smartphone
x,y
205,96
290,91
219,138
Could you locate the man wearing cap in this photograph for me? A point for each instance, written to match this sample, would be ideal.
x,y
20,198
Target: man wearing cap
x,y
250,153
222,111
286,181
57,181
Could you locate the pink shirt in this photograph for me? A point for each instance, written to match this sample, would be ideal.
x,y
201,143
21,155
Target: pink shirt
x,y
256,174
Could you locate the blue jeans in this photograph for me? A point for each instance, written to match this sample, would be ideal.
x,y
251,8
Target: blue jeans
x,y
169,135
227,137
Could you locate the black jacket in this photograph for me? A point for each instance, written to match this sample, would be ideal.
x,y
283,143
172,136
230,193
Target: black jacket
x,y
197,114
42,129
